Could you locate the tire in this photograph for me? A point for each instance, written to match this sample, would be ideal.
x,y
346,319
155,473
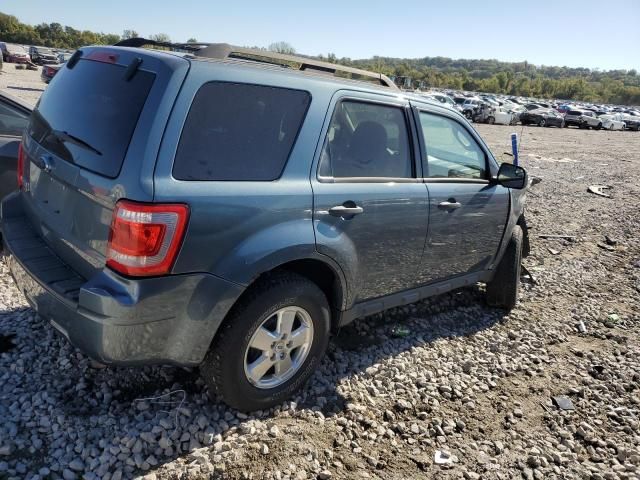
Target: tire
x,y
611,127
225,367
599,127
542,122
491,120
502,290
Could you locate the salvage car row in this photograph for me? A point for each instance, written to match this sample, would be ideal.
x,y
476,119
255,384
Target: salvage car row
x,y
489,108
14,53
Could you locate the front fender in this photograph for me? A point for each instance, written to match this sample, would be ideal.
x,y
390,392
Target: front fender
x,y
517,200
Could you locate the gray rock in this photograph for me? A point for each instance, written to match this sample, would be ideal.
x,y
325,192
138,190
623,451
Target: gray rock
x,y
76,464
68,474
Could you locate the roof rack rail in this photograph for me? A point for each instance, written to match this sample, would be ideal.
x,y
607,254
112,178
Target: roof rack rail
x,y
138,42
223,51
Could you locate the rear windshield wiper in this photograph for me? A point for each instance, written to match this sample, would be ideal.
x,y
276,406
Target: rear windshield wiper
x,y
67,137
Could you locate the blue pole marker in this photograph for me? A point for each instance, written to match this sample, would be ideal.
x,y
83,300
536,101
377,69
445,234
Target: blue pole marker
x,y
514,148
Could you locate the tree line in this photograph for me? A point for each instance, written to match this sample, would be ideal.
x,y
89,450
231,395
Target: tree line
x,y
510,78
491,76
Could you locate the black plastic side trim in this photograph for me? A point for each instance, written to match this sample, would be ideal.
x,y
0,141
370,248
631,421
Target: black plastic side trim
x,y
406,297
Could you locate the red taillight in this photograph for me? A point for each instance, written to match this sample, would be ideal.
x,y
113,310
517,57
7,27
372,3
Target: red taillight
x,y
144,239
20,166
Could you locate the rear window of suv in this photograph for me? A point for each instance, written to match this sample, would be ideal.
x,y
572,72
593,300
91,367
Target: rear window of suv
x,y
574,112
88,114
239,132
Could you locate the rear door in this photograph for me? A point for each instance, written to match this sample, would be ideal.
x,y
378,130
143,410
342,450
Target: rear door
x,y
14,118
370,208
467,214
92,140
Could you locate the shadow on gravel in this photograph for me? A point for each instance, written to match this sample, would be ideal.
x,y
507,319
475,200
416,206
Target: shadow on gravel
x,y
136,419
371,340
26,89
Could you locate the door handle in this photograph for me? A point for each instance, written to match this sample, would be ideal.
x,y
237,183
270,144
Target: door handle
x,y
345,210
449,205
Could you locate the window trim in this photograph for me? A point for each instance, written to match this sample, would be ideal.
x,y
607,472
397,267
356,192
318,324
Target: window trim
x,y
409,124
252,84
424,152
17,109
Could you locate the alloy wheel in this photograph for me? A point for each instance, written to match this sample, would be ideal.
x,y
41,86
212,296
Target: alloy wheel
x,y
278,347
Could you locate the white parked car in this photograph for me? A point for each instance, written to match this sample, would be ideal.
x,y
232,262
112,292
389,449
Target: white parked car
x,y
591,120
612,122
504,117
446,100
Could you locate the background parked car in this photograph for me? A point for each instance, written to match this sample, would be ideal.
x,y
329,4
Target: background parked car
x,y
502,116
543,117
49,71
612,122
446,99
591,120
13,53
42,56
64,56
632,122
574,118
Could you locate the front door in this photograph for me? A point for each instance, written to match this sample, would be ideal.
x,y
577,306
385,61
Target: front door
x,y
371,209
467,214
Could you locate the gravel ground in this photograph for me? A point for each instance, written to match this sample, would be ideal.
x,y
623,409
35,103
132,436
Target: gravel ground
x,y
468,384
25,84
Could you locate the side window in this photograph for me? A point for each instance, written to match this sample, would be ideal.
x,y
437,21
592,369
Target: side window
x,y
12,121
451,151
367,140
239,132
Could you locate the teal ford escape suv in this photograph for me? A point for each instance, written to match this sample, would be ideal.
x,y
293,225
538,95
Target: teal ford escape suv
x,y
228,208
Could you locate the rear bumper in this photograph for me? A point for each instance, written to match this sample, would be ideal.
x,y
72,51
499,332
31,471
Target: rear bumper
x,y
113,319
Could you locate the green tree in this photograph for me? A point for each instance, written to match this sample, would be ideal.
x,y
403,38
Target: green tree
x,y
160,37
126,34
281,47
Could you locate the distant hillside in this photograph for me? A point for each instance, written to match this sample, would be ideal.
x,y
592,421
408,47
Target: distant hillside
x,y
614,86
521,78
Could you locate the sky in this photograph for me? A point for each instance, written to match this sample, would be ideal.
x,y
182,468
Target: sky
x,y
576,33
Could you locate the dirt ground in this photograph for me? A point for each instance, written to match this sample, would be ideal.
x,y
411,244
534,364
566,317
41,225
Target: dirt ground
x,y
25,84
458,379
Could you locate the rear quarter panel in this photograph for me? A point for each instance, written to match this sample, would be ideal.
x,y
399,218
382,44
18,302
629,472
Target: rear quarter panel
x,y
239,229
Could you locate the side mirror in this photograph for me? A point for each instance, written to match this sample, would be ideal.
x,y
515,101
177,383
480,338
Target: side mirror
x,y
512,176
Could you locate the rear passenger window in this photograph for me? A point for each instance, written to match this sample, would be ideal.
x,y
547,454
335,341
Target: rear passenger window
x,y
367,140
451,150
239,132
